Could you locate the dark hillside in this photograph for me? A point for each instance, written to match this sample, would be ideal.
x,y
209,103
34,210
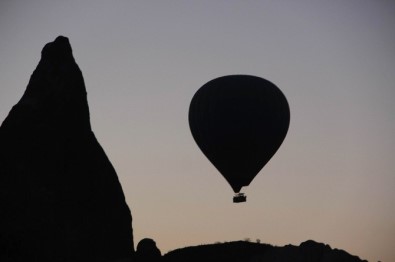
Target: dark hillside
x,y
231,251
309,251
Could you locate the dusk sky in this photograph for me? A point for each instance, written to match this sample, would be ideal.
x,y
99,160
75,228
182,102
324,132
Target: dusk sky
x,y
333,178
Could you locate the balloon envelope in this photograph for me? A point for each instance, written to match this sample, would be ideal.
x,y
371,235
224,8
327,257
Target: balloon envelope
x,y
239,122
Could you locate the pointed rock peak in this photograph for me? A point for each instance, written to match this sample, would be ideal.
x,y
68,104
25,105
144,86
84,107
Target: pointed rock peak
x,y
58,50
56,94
60,197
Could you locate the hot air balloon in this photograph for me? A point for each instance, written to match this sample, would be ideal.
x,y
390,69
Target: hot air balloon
x,y
239,122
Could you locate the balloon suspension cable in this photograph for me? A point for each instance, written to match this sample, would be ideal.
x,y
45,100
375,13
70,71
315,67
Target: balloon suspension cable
x,y
239,198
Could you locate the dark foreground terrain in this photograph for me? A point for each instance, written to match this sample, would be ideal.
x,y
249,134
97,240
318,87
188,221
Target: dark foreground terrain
x,y
237,251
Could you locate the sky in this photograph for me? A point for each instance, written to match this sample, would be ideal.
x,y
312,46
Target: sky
x,y
333,178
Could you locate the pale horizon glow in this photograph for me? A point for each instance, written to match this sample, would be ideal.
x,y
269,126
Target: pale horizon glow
x,y
333,178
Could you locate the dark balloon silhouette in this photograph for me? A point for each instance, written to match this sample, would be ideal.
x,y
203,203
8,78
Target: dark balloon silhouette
x,y
239,122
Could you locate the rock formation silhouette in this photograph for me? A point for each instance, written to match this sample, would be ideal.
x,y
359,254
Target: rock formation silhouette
x,y
147,251
309,251
60,198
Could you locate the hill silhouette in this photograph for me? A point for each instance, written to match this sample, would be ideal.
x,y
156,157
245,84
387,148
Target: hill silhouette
x,y
237,251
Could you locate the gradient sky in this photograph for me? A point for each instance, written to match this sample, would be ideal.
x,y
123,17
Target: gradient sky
x,y
333,178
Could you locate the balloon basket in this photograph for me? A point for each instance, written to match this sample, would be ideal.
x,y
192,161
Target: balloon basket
x,y
239,198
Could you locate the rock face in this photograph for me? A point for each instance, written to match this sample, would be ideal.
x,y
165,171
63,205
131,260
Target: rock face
x,y
60,198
